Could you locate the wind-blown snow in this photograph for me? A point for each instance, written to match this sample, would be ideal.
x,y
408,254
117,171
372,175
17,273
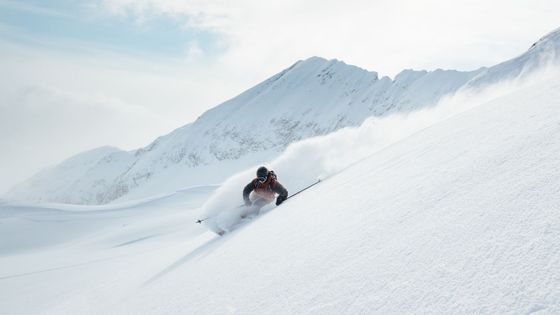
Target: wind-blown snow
x,y
543,54
459,216
318,158
313,97
448,210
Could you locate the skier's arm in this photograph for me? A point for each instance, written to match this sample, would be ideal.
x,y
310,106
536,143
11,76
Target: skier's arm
x,y
282,193
246,191
280,190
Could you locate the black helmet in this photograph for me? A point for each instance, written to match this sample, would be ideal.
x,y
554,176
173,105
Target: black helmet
x,y
262,173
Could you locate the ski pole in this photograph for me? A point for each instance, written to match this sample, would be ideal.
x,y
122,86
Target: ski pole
x,y
202,220
315,183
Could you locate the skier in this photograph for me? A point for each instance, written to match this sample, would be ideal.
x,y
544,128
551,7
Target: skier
x,y
264,188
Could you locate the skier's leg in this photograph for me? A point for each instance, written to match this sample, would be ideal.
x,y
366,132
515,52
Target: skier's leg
x,y
254,208
248,210
259,204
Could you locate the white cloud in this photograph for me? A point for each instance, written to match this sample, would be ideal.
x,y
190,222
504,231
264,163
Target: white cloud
x,y
385,36
54,105
60,100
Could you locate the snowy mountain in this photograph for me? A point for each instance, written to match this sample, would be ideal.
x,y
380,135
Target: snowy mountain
x,y
543,53
458,217
80,178
313,97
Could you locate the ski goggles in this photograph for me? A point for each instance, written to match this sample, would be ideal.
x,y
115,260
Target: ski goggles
x,y
262,179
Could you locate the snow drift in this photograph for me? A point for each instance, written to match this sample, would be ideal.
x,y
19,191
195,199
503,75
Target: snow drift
x,y
459,217
451,210
312,97
305,162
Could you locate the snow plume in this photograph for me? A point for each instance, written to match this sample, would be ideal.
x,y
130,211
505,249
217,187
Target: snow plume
x,y
305,162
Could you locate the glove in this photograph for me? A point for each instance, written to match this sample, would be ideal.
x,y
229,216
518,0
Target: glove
x,y
248,203
280,199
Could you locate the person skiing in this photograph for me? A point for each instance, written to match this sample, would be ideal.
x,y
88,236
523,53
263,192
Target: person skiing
x,y
264,189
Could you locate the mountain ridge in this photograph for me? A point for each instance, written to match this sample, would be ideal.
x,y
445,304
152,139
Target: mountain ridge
x,y
311,97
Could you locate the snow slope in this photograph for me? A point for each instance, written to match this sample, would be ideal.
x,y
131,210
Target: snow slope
x,y
312,97
459,217
50,251
543,54
81,179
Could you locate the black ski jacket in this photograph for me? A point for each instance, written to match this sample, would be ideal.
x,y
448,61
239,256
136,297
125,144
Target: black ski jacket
x,y
266,189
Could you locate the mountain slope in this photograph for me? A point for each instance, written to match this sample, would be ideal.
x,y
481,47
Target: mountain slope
x,y
543,53
461,217
81,179
313,97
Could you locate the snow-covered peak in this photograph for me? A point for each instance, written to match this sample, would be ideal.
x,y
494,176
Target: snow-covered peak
x,y
550,39
82,179
409,75
89,157
458,218
314,63
541,55
312,97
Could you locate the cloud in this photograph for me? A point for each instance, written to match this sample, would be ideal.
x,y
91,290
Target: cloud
x,y
385,36
59,97
30,8
54,105
40,125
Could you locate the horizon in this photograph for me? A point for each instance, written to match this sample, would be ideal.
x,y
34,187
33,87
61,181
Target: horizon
x,y
65,63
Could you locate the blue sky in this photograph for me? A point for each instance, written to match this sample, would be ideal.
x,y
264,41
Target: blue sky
x,y
63,21
82,74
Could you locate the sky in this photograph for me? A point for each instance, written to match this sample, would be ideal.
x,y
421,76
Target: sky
x,y
76,75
